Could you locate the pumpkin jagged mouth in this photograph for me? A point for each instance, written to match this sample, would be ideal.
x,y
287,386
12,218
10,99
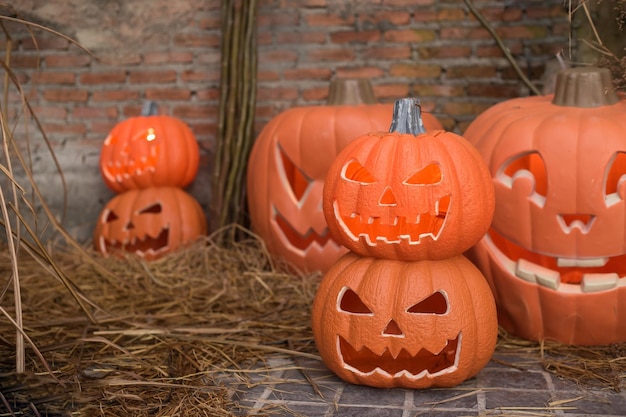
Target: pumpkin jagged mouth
x,y
146,245
423,363
401,229
566,275
298,240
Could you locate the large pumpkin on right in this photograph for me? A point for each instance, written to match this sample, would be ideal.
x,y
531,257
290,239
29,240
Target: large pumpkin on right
x,y
555,255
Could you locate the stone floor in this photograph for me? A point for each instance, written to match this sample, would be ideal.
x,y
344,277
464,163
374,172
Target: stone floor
x,y
503,388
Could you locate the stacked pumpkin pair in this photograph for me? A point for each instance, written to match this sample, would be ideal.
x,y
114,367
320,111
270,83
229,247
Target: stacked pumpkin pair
x,y
404,307
148,160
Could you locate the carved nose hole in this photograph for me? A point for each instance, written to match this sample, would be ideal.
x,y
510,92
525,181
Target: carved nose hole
x,y
392,329
130,226
387,199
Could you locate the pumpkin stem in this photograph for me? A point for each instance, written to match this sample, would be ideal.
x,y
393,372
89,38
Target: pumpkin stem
x,y
584,87
407,117
350,92
149,108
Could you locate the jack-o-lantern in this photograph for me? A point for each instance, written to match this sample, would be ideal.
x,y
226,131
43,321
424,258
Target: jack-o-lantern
x,y
555,255
149,151
149,222
408,194
288,165
388,323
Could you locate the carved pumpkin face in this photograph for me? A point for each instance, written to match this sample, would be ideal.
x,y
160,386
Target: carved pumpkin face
x,y
556,251
286,173
387,323
149,222
408,197
146,151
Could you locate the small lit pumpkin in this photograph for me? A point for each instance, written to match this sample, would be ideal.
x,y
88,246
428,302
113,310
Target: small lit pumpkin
x,y
555,255
149,150
387,323
408,194
288,165
149,222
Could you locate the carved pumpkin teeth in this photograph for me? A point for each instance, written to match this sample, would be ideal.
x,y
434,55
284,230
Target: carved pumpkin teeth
x,y
423,363
599,282
399,229
302,241
141,246
582,263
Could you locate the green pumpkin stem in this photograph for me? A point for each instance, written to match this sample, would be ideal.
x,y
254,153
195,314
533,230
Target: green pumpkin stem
x,y
407,117
149,108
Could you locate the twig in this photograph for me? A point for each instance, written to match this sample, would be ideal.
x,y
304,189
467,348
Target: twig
x,y
504,49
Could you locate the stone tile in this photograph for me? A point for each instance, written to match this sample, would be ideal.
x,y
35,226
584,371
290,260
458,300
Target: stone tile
x,y
363,395
499,378
446,398
517,399
606,403
351,411
303,391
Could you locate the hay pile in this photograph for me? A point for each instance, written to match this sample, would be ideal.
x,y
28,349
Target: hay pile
x,y
167,332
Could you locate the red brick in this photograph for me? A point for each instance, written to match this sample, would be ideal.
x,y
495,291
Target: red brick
x,y
194,112
101,127
277,56
522,32
51,94
439,90
493,90
385,92
363,72
50,112
470,71
141,77
514,47
25,61
315,94
415,71
94,78
331,54
273,20
208,94
49,77
451,14
168,94
425,16
464,108
111,95
67,61
199,76
308,74
196,40
464,33
355,36
91,112
408,3
387,52
210,22
325,19
445,52
47,43
301,38
168,58
387,19
410,35
277,93
267,76
64,128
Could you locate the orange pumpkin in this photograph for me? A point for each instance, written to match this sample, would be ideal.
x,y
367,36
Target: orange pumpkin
x,y
149,222
147,151
408,194
288,165
387,323
555,255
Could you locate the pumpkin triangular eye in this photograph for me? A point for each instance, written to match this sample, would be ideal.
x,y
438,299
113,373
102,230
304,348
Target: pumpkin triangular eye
x,y
152,209
428,175
350,302
354,171
110,217
297,180
436,303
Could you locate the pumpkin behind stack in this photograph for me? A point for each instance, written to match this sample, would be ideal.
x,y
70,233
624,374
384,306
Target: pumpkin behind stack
x,y
405,308
148,159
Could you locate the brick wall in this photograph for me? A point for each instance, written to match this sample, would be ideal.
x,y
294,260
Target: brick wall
x,y
433,49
